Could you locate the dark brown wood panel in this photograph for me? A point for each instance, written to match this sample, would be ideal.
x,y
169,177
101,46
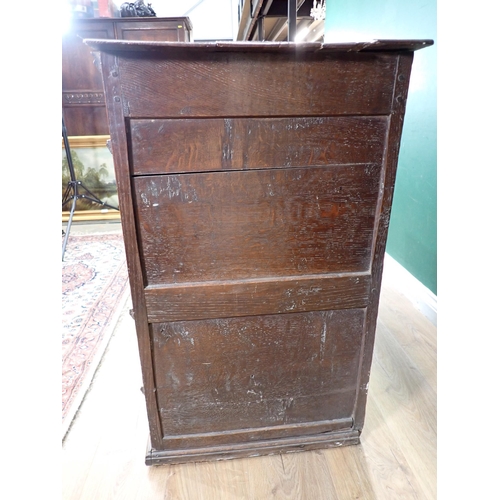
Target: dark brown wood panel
x,y
86,118
81,76
224,374
241,84
256,223
80,70
255,254
184,145
253,297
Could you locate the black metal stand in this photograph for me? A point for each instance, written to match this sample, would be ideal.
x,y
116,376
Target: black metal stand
x,y
75,190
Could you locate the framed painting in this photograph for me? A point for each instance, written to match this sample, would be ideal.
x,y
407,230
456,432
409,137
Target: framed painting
x,y
93,165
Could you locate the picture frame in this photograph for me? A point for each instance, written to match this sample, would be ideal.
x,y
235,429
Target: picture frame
x,y
93,164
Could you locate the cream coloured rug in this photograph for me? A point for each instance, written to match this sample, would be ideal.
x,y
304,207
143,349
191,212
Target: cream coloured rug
x,y
94,290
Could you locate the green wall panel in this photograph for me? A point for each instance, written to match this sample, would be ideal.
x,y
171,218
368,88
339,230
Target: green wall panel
x,y
412,237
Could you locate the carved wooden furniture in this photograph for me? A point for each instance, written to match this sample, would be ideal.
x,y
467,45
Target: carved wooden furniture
x,y
84,108
255,185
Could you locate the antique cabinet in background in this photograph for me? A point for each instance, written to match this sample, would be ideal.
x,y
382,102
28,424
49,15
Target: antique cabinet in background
x,y
255,184
83,105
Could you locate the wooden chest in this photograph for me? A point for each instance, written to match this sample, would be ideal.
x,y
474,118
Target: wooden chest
x,y
255,185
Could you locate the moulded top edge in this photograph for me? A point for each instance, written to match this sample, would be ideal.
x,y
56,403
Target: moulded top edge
x,y
155,46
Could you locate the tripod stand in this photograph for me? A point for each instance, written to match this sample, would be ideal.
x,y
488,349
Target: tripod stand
x,y
75,190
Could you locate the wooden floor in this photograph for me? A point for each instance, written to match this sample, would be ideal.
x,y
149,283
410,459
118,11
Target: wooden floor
x,y
103,453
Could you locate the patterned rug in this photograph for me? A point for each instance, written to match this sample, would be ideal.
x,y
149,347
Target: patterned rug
x,y
94,290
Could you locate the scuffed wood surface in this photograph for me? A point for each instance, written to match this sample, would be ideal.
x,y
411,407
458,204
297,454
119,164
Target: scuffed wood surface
x,y
223,374
117,47
195,145
256,224
251,297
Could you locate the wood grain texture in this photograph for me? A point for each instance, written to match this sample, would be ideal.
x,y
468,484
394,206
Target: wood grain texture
x,y
351,476
253,297
212,84
255,224
196,145
413,335
404,383
228,257
396,458
240,386
86,118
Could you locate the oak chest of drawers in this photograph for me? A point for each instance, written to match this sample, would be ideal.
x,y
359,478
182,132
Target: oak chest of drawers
x,y
255,185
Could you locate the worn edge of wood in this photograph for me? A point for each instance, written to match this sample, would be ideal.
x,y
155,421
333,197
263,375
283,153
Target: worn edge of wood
x,y
118,133
254,434
253,449
382,45
195,301
387,184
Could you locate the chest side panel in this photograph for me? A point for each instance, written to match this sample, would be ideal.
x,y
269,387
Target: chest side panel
x,y
259,193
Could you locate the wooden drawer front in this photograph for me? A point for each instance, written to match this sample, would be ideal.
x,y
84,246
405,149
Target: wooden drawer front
x,y
257,84
223,375
196,145
256,223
